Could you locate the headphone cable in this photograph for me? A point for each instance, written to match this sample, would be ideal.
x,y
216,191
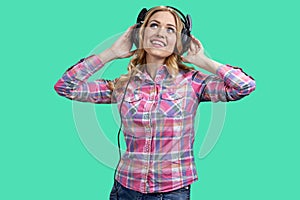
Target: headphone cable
x,y
119,146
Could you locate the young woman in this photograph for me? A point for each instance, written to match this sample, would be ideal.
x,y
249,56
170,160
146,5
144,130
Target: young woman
x,y
157,100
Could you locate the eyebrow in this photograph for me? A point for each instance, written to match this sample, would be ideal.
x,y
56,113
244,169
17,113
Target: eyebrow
x,y
159,23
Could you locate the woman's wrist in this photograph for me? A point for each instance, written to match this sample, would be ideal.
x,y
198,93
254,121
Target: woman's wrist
x,y
209,65
107,56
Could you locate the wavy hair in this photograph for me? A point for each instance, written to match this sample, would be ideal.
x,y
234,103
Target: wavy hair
x,y
172,62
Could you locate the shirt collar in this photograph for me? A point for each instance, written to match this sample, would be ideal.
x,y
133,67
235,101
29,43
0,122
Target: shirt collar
x,y
161,74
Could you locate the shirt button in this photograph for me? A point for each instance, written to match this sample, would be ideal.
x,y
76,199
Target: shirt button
x,y
146,116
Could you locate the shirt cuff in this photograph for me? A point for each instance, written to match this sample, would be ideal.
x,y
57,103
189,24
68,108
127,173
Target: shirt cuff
x,y
85,68
93,63
223,69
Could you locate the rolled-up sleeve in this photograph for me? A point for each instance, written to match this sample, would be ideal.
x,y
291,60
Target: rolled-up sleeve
x,y
74,85
229,84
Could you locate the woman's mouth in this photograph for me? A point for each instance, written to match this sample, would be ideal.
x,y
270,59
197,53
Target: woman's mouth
x,y
158,43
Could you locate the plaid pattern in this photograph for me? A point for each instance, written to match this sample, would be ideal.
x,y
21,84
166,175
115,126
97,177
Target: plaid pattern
x,y
158,118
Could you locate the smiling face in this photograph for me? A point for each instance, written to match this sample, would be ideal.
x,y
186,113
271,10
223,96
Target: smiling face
x,y
160,35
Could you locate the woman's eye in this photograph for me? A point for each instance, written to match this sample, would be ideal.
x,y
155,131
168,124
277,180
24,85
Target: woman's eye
x,y
153,25
171,30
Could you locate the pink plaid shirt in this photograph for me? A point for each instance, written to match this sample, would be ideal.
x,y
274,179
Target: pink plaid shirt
x,y
158,117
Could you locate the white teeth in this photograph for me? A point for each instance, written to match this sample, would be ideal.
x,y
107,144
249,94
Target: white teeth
x,y
158,42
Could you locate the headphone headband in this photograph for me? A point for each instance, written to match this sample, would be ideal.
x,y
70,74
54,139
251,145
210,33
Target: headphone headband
x,y
186,19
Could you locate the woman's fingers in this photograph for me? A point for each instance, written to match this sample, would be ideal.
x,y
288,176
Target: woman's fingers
x,y
183,59
129,30
123,44
195,50
128,54
131,53
195,46
196,42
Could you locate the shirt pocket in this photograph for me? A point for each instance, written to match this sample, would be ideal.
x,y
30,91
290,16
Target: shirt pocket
x,y
132,105
171,103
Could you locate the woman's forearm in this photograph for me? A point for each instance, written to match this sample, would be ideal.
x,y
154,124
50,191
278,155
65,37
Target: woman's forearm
x,y
208,64
107,56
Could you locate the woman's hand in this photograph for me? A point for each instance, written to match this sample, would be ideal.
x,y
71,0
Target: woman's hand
x,y
120,49
195,52
196,56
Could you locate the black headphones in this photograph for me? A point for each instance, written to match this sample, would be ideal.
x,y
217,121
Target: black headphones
x,y
185,32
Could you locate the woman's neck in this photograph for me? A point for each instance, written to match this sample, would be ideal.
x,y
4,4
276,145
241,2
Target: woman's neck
x,y
153,63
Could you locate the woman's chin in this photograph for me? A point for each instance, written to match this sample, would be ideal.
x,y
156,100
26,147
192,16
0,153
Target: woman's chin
x,y
158,52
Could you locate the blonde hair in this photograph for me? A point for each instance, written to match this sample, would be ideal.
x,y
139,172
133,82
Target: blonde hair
x,y
173,62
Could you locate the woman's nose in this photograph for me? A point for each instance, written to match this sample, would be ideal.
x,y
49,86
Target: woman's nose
x,y
160,32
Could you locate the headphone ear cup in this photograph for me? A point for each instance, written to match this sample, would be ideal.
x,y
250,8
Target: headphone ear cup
x,y
185,40
135,35
139,21
186,34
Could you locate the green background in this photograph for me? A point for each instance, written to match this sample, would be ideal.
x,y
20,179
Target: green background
x,y
42,156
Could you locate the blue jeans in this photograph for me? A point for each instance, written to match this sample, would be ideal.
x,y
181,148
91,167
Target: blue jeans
x,y
119,192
